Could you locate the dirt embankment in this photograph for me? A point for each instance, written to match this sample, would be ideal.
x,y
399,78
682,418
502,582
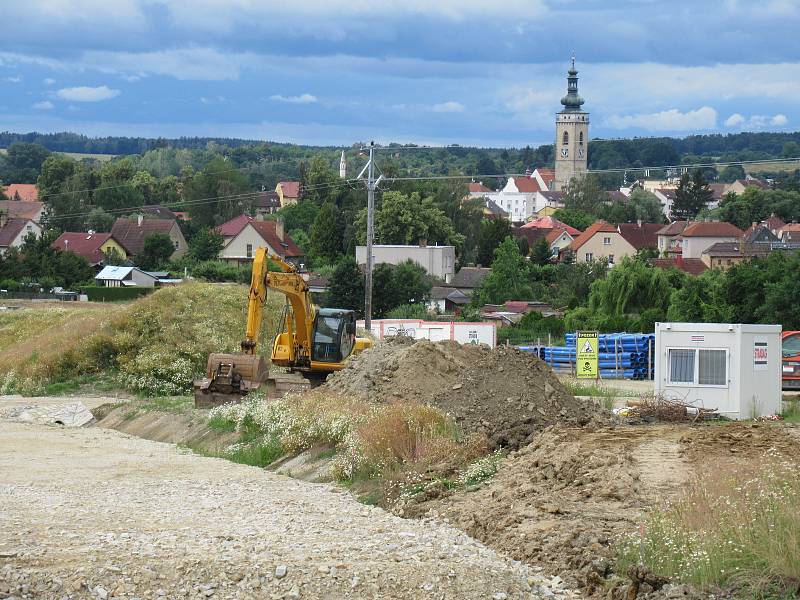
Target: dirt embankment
x,y
503,393
563,501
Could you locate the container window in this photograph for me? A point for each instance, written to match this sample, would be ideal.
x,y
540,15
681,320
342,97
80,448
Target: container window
x,y
712,369
681,365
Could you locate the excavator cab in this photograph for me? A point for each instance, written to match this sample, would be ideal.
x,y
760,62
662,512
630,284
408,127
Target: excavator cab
x,y
334,335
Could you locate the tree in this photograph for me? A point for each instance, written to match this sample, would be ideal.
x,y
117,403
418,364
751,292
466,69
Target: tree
x,y
23,163
99,220
55,171
72,269
541,254
574,218
692,196
218,190
158,247
584,194
509,279
384,290
326,235
731,173
409,219
206,244
346,288
411,283
113,257
492,233
646,207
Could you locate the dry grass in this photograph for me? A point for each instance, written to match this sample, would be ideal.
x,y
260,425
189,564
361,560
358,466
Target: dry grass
x,y
736,528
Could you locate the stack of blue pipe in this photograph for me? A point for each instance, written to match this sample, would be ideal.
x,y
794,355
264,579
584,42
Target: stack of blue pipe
x,y
621,355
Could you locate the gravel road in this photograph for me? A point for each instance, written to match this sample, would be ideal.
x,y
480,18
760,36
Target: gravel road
x,y
93,513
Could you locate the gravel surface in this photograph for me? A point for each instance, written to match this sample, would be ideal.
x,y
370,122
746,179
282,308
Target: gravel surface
x,y
93,513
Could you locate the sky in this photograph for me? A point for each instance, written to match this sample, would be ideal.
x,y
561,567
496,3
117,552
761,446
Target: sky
x,y
469,72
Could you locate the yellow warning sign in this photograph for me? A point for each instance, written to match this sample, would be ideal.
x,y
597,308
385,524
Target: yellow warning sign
x,y
587,357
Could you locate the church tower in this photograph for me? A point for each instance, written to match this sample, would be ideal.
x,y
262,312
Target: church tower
x,y
572,134
343,167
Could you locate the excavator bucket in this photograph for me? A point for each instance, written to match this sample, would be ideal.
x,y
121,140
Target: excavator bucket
x,y
229,378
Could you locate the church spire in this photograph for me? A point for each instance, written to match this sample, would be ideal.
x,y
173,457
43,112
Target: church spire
x,y
343,167
572,101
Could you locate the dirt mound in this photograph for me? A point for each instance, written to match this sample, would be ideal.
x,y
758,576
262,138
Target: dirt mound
x,y
558,503
502,393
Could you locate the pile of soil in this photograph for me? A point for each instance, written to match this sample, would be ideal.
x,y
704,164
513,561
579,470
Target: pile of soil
x,y
559,503
502,393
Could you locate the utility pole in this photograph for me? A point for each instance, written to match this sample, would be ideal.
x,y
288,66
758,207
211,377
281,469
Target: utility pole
x,y
372,185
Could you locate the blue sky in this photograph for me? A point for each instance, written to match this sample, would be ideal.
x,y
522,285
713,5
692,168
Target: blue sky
x,y
443,71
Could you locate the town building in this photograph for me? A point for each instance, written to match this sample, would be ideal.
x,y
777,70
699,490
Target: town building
x,y
438,261
288,192
572,135
117,276
266,203
29,210
518,198
241,247
469,279
131,234
20,192
94,247
14,231
701,235
601,241
668,235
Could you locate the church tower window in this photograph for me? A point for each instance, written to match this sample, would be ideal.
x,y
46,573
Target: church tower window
x,y
566,138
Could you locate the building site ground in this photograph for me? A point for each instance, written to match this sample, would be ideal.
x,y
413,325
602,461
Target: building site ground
x,y
524,491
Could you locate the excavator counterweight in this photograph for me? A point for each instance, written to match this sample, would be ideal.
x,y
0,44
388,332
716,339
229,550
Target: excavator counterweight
x,y
313,342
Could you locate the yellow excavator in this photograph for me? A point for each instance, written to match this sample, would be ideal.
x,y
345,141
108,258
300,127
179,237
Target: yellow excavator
x,y
311,342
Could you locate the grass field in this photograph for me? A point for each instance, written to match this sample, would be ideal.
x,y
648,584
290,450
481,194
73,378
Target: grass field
x,y
78,155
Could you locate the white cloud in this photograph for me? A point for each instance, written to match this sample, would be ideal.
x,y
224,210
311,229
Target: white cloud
x,y
48,81
43,105
301,99
756,121
779,120
12,79
734,120
87,94
667,120
448,107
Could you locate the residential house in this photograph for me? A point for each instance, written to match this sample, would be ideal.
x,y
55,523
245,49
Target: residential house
x,y
723,255
317,284
156,211
476,189
492,211
758,233
468,279
438,261
20,192
288,192
668,234
701,235
447,300
559,240
266,203
28,210
601,241
549,223
230,229
790,233
718,191
132,233
774,224
546,203
640,235
667,198
740,185
14,231
241,247
116,276
94,247
558,234
691,266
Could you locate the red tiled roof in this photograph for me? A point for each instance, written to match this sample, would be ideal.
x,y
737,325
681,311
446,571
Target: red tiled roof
x,y
21,210
640,236
548,175
11,230
27,192
86,245
717,189
235,225
477,188
268,231
555,234
692,266
526,185
712,229
550,223
791,227
291,189
596,227
674,228
131,235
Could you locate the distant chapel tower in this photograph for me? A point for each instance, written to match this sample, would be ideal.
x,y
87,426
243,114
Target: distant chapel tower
x,y
343,167
572,134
